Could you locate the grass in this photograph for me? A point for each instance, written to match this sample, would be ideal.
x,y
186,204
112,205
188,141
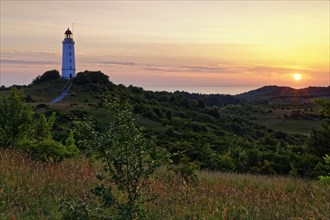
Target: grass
x,y
277,121
33,190
233,196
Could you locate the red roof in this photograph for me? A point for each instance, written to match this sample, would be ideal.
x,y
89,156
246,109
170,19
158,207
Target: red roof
x,y
68,32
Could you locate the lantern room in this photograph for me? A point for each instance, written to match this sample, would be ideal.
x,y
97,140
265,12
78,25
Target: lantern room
x,y
68,34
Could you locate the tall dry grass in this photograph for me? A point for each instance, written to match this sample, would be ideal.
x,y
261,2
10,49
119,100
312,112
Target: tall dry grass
x,y
236,196
33,190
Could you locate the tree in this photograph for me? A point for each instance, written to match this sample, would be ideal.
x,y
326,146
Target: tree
x,y
326,179
44,126
320,139
86,134
71,147
49,75
128,160
16,119
325,103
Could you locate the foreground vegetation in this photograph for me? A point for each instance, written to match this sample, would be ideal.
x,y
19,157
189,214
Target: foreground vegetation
x,y
31,189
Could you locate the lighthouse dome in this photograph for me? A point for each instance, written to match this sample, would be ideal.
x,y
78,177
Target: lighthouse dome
x,y
68,32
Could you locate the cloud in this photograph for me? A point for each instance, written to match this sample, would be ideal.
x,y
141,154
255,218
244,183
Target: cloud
x,y
27,62
205,69
121,63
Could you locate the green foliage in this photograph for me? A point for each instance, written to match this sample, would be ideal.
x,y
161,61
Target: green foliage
x,y
325,103
71,148
325,179
320,139
78,210
128,160
44,126
186,168
86,135
94,80
217,132
16,119
19,129
327,159
48,149
49,75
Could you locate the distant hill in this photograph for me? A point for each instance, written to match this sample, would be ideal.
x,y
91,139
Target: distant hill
x,y
276,93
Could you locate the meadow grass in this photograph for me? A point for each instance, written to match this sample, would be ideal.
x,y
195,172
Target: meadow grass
x,y
34,190
241,196
277,121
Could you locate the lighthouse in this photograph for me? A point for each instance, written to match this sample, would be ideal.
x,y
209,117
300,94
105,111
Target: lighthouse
x,y
68,57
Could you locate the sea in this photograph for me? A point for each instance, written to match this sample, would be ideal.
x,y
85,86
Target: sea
x,y
205,90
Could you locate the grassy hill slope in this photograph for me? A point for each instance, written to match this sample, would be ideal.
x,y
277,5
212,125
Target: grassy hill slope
x,y
215,132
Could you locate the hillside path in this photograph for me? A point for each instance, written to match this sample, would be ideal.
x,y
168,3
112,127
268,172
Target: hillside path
x,y
65,92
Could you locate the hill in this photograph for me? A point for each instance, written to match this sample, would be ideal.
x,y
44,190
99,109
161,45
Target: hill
x,y
280,93
214,132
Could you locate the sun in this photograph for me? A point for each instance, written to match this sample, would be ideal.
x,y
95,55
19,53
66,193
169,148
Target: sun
x,y
296,76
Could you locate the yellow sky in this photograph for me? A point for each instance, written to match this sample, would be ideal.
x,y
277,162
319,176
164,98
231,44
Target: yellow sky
x,y
171,43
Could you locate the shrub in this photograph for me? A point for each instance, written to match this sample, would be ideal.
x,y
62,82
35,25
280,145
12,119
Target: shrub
x,y
48,149
45,150
85,134
16,119
186,168
49,75
325,180
320,139
128,159
43,127
71,147
92,77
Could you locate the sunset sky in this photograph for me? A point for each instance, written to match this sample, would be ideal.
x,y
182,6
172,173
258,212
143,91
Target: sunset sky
x,y
171,43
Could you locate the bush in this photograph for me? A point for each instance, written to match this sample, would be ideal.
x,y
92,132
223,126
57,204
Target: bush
x,y
45,150
186,169
92,77
325,180
49,75
128,160
71,148
19,129
320,139
16,119
48,149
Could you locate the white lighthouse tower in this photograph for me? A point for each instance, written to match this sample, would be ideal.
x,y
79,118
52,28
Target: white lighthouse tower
x,y
68,57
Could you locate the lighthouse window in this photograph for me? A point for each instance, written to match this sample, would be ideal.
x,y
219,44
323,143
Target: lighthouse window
x,y
70,53
70,67
69,47
70,60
